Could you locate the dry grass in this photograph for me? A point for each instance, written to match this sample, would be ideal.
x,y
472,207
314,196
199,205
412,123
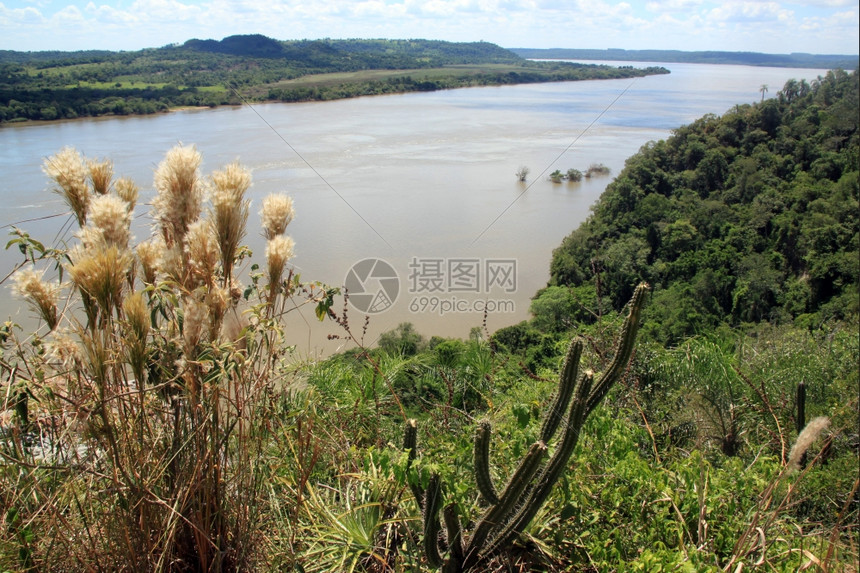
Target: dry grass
x,y
140,423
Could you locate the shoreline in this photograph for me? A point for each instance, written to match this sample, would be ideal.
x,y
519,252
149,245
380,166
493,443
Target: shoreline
x,y
187,108
465,83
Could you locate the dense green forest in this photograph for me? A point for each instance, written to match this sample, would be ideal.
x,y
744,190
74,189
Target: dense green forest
x,y
157,420
795,60
65,85
747,217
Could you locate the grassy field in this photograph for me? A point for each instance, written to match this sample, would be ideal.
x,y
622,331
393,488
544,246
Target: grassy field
x,y
336,79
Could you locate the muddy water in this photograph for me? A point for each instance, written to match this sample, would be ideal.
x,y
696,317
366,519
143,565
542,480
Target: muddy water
x,y
423,181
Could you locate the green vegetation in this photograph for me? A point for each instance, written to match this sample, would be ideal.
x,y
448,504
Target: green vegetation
x,y
574,175
795,60
65,85
157,421
510,511
737,219
522,173
596,169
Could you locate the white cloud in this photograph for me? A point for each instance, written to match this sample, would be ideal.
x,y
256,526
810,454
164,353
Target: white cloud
x,y
751,25
673,5
826,3
165,10
750,12
19,16
110,15
68,16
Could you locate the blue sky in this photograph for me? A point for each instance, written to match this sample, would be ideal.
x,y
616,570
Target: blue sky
x,y
774,26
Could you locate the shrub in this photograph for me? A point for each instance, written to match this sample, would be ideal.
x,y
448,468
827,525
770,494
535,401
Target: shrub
x,y
574,175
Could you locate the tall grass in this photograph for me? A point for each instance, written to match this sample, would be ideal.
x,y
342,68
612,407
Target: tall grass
x,y
143,411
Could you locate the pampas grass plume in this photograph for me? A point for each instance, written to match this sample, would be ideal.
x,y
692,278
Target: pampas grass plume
x,y
805,439
194,319
277,213
127,190
149,254
136,315
40,294
179,195
100,273
63,348
279,250
69,172
230,211
203,252
100,175
109,215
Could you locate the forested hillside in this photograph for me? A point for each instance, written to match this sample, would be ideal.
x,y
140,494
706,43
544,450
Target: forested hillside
x,y
747,217
66,85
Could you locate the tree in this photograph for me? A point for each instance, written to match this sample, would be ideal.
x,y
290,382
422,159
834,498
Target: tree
x,y
403,340
763,90
522,173
574,175
558,308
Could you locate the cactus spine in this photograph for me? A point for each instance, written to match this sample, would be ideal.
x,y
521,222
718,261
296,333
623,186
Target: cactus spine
x,y
531,483
567,382
432,502
482,464
800,422
410,444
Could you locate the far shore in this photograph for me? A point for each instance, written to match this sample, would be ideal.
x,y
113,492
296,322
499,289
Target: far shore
x,y
36,122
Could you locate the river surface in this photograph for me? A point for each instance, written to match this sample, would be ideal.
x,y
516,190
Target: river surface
x,y
424,182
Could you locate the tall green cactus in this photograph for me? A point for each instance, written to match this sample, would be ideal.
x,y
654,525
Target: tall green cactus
x,y
509,512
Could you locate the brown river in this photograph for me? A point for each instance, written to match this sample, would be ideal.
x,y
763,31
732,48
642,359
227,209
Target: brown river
x,y
422,184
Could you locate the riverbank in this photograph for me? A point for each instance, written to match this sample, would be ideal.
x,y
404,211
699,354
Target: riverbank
x,y
306,88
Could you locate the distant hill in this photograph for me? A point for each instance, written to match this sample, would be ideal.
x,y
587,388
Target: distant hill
x,y
385,53
66,85
252,45
796,60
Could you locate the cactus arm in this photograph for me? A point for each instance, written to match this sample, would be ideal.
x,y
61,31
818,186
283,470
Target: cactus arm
x,y
553,469
801,407
410,440
566,384
624,350
410,444
432,502
532,482
455,536
510,500
482,464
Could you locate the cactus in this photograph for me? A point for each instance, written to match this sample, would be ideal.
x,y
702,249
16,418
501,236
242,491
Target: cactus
x,y
410,444
482,464
509,512
432,501
800,421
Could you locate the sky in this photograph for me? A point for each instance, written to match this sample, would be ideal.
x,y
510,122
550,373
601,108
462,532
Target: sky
x,y
770,26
